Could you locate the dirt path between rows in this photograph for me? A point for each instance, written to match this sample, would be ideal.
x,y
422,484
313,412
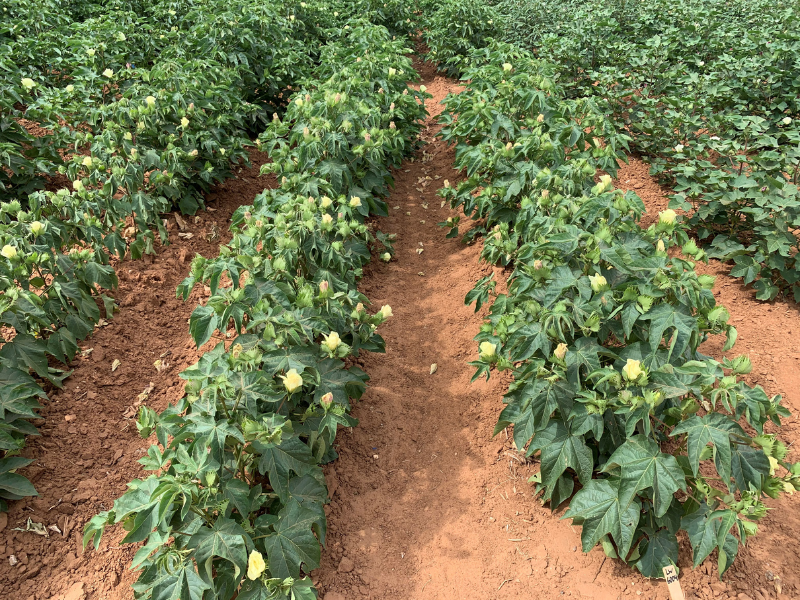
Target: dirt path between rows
x,y
427,505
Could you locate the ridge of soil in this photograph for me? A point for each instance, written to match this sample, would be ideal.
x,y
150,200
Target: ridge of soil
x,y
88,445
426,503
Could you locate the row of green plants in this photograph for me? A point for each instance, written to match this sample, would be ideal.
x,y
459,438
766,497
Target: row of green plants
x,y
143,112
643,435
708,91
140,109
233,507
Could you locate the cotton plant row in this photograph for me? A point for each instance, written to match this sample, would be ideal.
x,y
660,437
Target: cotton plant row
x,y
142,117
708,91
642,434
233,506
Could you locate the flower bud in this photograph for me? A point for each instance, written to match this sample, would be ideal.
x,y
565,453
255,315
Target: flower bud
x,y
540,118
392,71
323,287
28,83
560,351
108,73
326,401
87,161
386,311
77,185
741,365
70,88
660,246
386,257
184,122
507,67
537,264
150,100
423,89
37,228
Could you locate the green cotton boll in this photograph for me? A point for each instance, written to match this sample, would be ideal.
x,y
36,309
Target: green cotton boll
x,y
305,297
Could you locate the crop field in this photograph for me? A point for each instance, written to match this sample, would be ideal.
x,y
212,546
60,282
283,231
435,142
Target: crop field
x,y
403,299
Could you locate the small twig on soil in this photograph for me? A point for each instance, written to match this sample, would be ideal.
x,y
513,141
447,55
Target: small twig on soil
x,y
599,568
505,581
426,583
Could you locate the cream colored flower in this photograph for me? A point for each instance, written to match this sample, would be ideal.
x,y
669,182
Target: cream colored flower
x,y
326,401
773,464
540,118
128,136
28,83
108,73
323,286
70,88
386,257
423,89
332,341
360,307
77,185
537,264
488,350
507,67
386,311
292,380
299,102
91,51
327,219
632,369
184,122
255,565
660,246
87,161
560,351
325,202
598,282
667,216
150,100
392,71
9,251
355,202
37,228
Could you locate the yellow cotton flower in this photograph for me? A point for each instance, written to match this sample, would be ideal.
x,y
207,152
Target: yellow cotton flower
x,y
325,202
77,185
28,83
355,202
507,67
488,350
327,219
386,311
632,369
108,73
87,161
773,464
37,228
150,100
332,341
184,122
667,216
560,351
598,282
70,88
9,251
292,381
255,565
660,246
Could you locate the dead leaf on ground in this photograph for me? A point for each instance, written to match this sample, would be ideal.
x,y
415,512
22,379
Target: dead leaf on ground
x,y
115,365
434,366
181,223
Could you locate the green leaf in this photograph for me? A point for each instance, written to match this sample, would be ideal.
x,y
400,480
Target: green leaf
x,y
181,583
644,466
750,466
702,532
598,508
712,428
293,543
202,324
561,450
226,540
14,486
279,461
659,550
